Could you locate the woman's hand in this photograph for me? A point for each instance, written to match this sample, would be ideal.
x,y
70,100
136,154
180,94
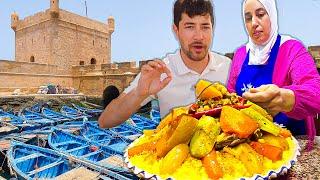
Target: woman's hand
x,y
272,98
150,80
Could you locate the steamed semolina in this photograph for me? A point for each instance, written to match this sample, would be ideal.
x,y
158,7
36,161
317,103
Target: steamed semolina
x,y
231,167
192,168
198,171
149,163
146,161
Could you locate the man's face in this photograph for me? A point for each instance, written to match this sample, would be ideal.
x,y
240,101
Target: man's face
x,y
195,36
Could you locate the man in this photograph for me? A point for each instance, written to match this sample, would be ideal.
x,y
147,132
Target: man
x,y
172,79
109,94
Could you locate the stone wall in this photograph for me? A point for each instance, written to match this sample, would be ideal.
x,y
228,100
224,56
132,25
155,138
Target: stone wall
x,y
34,41
83,21
104,69
29,76
75,44
92,80
88,79
315,52
7,66
95,84
33,20
29,83
59,47
67,40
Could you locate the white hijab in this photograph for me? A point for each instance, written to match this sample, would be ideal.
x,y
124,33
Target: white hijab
x,y
259,54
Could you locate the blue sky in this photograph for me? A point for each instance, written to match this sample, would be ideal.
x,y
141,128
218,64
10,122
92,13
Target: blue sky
x,y
143,27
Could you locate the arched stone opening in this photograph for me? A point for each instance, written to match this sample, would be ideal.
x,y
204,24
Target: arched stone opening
x,y
32,59
93,61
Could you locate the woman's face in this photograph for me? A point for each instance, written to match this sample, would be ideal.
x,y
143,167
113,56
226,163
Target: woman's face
x,y
257,22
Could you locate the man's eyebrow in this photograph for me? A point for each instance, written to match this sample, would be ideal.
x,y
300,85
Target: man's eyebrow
x,y
206,24
188,23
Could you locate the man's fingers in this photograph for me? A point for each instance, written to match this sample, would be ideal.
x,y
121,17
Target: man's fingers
x,y
167,71
160,67
146,68
160,62
156,64
165,82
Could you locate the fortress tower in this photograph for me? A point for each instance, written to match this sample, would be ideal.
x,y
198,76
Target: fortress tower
x,y
54,8
14,20
58,37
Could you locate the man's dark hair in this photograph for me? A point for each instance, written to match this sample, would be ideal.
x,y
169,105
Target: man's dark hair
x,y
192,8
109,93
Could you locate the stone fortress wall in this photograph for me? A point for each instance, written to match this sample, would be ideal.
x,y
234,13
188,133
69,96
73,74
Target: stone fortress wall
x,y
62,38
59,47
315,52
88,79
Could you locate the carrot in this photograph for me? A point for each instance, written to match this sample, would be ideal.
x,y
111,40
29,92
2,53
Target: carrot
x,y
285,133
149,146
212,166
271,152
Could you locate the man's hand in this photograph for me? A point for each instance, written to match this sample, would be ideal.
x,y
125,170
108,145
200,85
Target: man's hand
x,y
150,82
272,98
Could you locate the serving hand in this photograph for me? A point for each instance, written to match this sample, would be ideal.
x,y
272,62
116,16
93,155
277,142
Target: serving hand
x,y
272,98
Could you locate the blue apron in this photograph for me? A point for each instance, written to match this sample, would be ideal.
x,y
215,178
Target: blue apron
x,y
257,75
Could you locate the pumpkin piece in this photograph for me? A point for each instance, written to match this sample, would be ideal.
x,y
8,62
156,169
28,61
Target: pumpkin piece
x,y
149,132
277,141
220,87
181,134
263,122
233,121
206,90
149,146
173,115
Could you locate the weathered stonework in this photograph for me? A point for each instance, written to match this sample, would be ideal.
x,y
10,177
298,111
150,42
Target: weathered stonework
x,y
315,52
59,47
64,41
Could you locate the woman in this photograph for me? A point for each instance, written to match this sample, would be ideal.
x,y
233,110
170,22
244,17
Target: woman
x,y
276,71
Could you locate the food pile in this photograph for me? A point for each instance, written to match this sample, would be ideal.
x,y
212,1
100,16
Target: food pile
x,y
221,136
